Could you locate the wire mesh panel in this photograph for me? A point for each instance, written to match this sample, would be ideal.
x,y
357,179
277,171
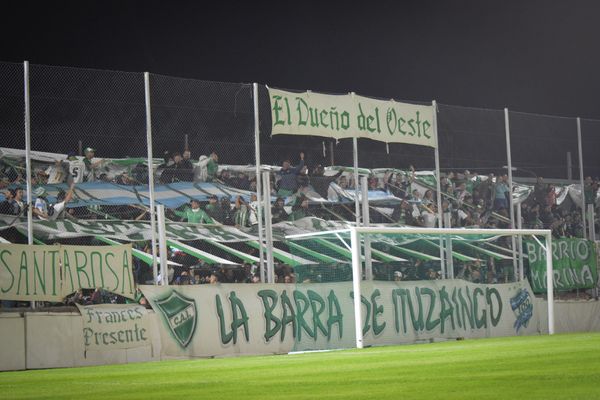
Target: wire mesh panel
x,y
540,143
12,168
204,116
102,109
12,106
590,138
471,138
88,140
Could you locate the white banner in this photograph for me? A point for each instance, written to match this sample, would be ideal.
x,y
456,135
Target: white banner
x,y
115,326
222,319
49,273
347,116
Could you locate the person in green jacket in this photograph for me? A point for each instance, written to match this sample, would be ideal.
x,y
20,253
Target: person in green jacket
x,y
194,214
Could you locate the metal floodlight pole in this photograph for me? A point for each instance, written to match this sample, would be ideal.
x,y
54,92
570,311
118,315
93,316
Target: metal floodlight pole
x,y
550,283
162,240
520,242
510,188
27,117
438,186
581,182
268,226
28,152
150,174
356,180
367,239
356,281
261,248
449,258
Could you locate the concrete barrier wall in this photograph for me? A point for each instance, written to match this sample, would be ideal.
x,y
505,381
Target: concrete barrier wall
x,y
53,340
12,342
570,316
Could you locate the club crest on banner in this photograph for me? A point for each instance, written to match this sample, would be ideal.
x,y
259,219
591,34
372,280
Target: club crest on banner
x,y
522,307
180,315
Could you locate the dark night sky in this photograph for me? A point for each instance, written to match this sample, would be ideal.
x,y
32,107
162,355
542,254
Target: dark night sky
x,y
533,56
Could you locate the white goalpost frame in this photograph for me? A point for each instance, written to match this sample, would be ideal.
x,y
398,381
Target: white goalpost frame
x,y
357,263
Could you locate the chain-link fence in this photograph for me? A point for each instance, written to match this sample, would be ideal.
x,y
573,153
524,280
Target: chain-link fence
x,y
89,129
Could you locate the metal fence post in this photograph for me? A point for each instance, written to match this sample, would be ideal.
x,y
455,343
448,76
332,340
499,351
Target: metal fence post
x,y
510,190
259,214
150,174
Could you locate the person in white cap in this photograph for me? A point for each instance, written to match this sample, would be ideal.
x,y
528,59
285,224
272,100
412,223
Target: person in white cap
x,y
45,211
90,166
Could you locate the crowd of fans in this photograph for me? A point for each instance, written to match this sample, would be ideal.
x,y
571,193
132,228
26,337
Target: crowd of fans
x,y
468,200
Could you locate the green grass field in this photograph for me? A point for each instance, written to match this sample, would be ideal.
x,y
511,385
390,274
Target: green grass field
x,y
534,367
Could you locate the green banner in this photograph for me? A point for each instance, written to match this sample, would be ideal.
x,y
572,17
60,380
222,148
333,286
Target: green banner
x,y
49,273
348,116
573,262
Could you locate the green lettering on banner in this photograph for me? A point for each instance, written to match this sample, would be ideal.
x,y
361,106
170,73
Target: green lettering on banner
x,y
288,317
574,262
46,273
108,264
12,276
39,277
67,271
302,305
302,121
367,318
24,268
277,110
430,324
80,267
269,299
466,309
349,116
313,312
335,315
489,292
377,311
317,305
459,320
479,322
239,319
447,311
418,322
126,272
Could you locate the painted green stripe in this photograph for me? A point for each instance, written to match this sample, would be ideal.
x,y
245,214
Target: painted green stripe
x,y
490,253
331,246
140,255
312,253
500,248
283,256
209,258
415,254
239,254
455,254
385,256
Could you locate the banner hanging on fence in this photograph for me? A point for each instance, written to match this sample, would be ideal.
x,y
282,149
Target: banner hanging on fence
x,y
348,116
115,326
227,319
49,273
573,262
